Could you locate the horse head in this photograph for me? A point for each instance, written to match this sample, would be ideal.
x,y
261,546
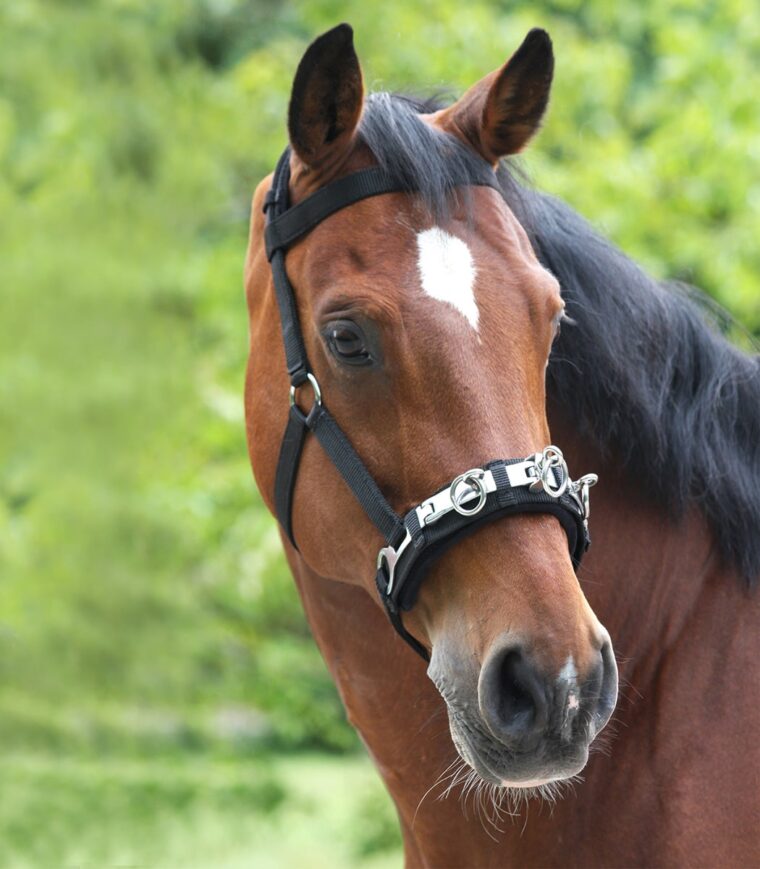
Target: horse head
x,y
429,321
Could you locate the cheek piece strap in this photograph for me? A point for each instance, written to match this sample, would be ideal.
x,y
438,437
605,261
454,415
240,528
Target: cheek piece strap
x,y
503,487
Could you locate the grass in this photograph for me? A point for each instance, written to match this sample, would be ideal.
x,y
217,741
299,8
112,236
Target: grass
x,y
195,811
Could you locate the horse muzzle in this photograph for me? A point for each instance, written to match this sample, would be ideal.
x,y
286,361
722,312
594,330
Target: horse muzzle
x,y
515,723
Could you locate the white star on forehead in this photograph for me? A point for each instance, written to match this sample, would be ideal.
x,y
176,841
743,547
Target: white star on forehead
x,y
447,271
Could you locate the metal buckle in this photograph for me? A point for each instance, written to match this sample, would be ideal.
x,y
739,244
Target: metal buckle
x,y
391,556
473,480
580,490
546,461
315,387
479,484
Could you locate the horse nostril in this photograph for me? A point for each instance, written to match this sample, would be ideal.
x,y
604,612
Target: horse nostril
x,y
516,704
513,698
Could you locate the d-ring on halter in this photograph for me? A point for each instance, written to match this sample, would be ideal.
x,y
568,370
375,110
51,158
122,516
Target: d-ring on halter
x,y
471,480
315,388
540,483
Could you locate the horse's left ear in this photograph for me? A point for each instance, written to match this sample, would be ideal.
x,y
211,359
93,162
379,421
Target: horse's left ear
x,y
502,112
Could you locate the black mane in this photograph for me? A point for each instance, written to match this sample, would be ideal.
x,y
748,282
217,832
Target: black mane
x,y
642,370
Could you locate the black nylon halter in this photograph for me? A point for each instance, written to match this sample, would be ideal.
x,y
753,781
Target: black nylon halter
x,y
540,483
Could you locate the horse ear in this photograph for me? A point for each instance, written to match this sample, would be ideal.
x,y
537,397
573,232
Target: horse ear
x,y
327,97
502,112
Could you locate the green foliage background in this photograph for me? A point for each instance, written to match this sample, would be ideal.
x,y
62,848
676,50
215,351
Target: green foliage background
x,y
161,701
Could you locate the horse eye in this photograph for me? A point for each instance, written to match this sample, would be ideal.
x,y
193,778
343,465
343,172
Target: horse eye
x,y
347,343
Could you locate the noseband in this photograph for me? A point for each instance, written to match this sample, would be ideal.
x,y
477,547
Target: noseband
x,y
539,483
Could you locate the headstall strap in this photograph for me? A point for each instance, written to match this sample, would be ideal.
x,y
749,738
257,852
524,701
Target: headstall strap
x,y
539,483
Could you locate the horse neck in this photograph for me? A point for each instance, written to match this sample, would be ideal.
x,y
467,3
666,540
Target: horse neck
x,y
646,573
658,587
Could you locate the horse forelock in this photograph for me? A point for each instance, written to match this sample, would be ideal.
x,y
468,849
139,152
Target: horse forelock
x,y
420,157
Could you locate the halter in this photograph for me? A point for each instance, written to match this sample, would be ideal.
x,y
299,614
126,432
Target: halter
x,y
539,483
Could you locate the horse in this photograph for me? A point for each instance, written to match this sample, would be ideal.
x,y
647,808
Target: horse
x,y
450,322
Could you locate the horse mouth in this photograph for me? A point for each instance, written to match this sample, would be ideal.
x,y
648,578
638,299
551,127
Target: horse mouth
x,y
496,765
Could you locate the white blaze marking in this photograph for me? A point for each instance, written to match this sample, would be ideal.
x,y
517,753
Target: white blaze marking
x,y
447,271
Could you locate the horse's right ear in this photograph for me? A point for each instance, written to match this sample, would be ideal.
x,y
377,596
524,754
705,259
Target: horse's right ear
x,y
327,97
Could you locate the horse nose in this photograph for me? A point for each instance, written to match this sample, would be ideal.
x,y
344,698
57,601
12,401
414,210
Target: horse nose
x,y
513,698
522,706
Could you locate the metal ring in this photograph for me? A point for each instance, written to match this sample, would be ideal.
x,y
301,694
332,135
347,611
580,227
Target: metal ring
x,y
315,387
585,483
552,457
388,557
384,561
587,480
474,479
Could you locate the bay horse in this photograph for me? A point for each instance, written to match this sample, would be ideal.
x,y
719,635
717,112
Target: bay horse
x,y
431,317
